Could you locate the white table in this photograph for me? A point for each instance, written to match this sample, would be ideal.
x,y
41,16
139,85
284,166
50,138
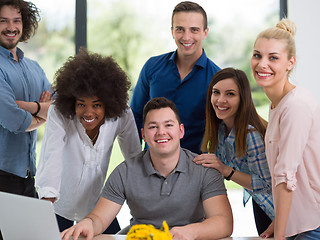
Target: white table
x,y
123,237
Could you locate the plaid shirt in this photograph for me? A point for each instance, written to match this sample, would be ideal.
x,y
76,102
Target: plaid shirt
x,y
253,163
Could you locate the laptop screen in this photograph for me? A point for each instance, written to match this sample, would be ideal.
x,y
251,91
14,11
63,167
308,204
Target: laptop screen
x,y
27,218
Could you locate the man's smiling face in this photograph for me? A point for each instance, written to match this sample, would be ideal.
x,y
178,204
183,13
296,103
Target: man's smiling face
x,y
162,132
10,27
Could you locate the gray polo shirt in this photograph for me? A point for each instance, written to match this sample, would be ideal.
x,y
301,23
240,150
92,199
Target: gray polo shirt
x,y
153,198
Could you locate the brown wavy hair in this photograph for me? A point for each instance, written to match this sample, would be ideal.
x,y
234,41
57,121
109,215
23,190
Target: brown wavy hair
x,y
30,16
87,75
245,116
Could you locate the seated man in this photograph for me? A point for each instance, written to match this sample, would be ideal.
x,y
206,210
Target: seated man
x,y
163,183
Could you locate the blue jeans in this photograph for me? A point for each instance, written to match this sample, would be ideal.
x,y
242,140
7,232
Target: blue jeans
x,y
309,235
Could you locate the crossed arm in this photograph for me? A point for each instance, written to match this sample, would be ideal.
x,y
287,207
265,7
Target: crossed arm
x,y
31,107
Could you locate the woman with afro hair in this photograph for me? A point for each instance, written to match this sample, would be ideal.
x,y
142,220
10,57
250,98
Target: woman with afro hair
x,y
90,110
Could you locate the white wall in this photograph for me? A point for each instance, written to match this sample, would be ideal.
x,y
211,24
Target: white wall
x,y
306,16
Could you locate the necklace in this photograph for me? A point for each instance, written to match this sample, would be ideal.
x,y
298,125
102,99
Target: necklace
x,y
94,138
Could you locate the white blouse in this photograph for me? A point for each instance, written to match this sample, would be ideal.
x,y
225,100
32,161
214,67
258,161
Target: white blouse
x,y
72,169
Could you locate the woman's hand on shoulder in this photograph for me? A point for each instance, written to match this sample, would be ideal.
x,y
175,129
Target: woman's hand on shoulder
x,y
212,161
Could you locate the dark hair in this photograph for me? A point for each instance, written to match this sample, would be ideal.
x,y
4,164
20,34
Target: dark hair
x,y
30,16
88,75
158,103
188,6
245,116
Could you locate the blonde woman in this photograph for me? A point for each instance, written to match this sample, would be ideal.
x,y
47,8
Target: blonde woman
x,y
292,137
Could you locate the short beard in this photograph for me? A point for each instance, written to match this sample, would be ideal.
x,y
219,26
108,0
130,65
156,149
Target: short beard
x,y
9,45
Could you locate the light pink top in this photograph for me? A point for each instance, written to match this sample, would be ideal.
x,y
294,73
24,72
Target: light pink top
x,y
293,153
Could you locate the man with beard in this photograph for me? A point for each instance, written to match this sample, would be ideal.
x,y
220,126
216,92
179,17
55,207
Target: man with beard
x,y
24,98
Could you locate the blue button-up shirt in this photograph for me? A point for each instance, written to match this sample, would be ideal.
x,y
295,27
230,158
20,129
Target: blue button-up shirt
x,y
160,77
253,163
24,80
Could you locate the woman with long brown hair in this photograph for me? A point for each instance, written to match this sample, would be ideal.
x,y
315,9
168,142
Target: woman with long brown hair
x,y
234,141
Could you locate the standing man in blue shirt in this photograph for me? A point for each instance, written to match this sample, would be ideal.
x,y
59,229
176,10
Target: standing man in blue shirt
x,y
24,98
182,76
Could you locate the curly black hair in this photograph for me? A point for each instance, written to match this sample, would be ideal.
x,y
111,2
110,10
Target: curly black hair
x,y
30,16
87,75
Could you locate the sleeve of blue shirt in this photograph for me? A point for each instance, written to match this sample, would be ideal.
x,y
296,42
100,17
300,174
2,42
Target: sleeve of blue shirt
x,y
12,117
140,97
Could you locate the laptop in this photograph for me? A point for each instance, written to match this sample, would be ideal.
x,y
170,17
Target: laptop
x,y
25,218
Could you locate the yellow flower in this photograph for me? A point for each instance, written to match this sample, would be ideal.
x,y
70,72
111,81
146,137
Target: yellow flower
x,y
149,232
